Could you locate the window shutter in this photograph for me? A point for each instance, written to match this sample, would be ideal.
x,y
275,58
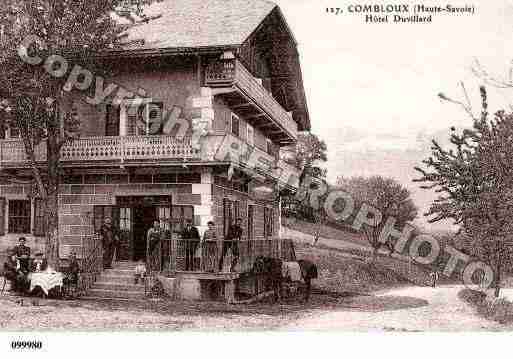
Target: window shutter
x,y
115,217
2,216
265,222
39,218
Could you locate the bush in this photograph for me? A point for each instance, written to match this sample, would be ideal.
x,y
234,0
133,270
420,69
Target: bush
x,y
499,310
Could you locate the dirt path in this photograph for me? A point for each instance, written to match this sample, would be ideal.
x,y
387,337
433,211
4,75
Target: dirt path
x,y
443,311
335,243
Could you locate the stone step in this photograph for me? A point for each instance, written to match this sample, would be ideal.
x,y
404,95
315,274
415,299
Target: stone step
x,y
106,299
118,286
103,293
119,272
105,278
124,265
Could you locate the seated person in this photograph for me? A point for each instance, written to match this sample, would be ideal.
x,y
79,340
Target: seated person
x,y
39,264
72,271
22,253
14,273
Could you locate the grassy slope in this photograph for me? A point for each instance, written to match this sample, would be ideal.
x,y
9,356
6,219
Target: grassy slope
x,y
499,310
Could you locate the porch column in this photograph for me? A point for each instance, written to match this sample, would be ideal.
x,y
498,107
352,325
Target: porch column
x,y
203,213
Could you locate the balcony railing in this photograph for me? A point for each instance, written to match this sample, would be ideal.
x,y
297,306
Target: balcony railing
x,y
232,73
106,148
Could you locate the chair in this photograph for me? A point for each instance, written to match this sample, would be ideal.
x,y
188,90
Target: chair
x,y
3,285
70,282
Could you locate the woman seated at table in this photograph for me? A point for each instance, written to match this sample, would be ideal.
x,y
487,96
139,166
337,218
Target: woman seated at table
x,y
15,274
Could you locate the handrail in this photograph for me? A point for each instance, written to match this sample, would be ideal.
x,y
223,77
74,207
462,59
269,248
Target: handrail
x,y
92,262
107,148
204,256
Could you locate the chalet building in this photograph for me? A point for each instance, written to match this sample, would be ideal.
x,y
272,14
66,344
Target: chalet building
x,y
230,70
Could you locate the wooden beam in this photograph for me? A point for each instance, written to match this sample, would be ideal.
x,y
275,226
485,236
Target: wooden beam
x,y
255,116
242,105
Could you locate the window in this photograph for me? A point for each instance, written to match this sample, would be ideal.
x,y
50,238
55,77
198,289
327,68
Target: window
x,y
145,119
227,215
164,217
231,211
270,147
125,219
14,131
112,121
250,135
39,218
235,125
19,216
268,222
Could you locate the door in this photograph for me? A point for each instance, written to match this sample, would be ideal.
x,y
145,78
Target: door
x,y
227,215
125,234
143,218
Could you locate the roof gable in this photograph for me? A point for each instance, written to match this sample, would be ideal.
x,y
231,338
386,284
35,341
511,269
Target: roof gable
x,y
197,23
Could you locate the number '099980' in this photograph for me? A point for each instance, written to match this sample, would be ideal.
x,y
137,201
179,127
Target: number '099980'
x,y
26,345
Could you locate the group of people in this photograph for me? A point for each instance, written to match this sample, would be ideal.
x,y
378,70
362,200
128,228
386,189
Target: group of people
x,y
20,264
191,234
193,243
192,238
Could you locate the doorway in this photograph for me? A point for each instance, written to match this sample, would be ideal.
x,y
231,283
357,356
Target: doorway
x,y
142,221
137,214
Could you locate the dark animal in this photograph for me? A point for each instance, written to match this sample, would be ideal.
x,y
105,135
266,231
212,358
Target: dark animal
x,y
308,272
272,268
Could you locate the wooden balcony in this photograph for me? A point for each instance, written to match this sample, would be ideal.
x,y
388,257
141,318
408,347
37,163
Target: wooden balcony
x,y
106,149
246,96
254,159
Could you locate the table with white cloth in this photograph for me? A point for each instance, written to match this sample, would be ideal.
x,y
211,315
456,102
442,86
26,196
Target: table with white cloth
x,y
45,280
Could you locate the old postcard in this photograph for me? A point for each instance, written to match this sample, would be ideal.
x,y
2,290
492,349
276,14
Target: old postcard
x,y
254,166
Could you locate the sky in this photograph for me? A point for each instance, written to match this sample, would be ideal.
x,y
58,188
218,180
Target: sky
x,y
372,88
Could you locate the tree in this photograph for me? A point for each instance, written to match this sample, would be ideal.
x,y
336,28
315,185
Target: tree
x,y
384,194
475,181
309,151
31,99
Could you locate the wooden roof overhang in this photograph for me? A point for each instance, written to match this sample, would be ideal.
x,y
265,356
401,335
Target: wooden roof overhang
x,y
274,39
245,106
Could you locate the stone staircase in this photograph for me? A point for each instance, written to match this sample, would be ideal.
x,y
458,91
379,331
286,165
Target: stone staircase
x,y
117,283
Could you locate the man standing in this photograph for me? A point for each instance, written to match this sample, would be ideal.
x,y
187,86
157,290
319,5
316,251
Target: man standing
x,y
110,242
22,253
232,237
192,238
153,237
210,247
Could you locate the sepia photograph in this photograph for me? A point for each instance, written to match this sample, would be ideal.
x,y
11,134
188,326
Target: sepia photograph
x,y
296,170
